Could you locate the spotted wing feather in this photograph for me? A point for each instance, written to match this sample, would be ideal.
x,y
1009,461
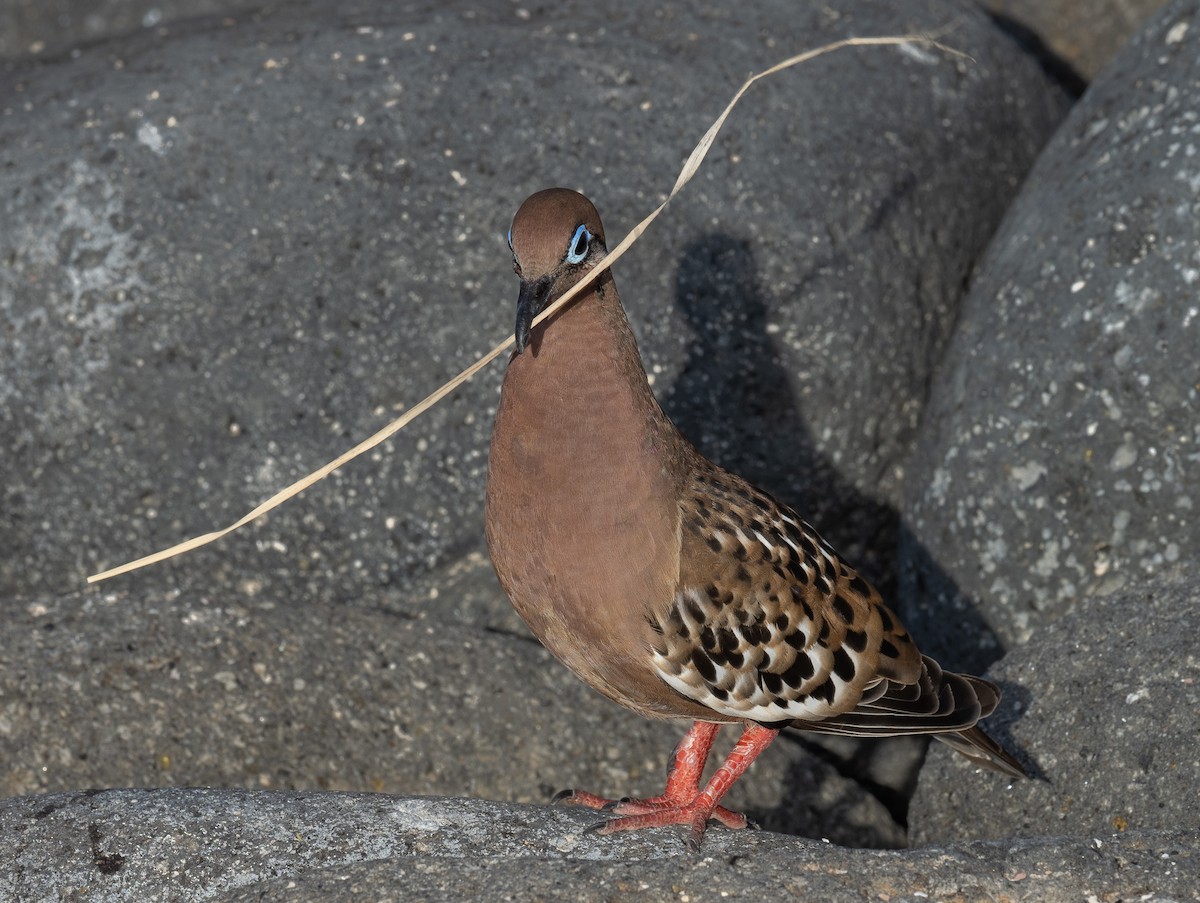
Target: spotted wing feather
x,y
770,625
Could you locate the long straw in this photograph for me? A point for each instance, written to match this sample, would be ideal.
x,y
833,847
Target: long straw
x,y
690,168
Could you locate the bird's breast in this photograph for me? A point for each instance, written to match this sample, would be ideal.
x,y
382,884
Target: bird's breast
x,y
581,518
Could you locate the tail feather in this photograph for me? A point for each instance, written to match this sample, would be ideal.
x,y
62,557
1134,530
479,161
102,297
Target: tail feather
x,y
941,703
983,750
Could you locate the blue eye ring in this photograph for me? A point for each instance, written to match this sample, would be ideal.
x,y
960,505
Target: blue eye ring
x,y
580,242
510,247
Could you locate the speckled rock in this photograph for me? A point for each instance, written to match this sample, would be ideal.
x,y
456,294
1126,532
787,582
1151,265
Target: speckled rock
x,y
52,27
1058,455
115,690
256,846
1104,702
234,246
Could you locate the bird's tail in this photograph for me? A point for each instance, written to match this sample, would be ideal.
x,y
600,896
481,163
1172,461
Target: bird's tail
x,y
941,703
983,750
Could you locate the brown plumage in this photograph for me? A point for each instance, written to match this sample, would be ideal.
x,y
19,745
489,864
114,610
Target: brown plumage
x,y
673,587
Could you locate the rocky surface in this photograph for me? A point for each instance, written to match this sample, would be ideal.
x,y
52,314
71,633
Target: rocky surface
x,y
178,845
1084,36
1058,459
54,27
116,690
1103,703
234,245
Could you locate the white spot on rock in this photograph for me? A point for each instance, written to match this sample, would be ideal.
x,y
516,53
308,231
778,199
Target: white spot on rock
x,y
1120,522
149,135
940,483
921,55
1125,456
85,264
1027,474
997,550
1048,563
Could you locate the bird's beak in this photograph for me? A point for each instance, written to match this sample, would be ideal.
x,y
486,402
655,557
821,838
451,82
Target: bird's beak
x,y
530,303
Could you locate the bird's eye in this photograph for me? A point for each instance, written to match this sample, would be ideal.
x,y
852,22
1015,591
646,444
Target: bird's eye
x,y
510,247
579,245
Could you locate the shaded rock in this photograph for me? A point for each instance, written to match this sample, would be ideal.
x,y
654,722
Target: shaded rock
x,y
1057,455
104,690
52,27
1086,36
1103,701
243,846
234,246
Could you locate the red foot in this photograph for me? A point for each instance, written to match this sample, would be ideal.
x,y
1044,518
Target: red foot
x,y
654,805
683,802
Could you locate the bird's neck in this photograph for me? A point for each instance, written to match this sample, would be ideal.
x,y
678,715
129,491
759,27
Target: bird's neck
x,y
581,386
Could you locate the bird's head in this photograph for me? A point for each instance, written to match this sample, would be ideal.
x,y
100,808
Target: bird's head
x,y
555,238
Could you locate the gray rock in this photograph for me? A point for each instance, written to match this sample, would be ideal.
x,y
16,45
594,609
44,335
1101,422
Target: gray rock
x,y
233,248
1085,36
1057,457
117,690
49,28
1104,702
257,846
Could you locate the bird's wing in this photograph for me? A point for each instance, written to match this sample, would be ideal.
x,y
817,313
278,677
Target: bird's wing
x,y
768,624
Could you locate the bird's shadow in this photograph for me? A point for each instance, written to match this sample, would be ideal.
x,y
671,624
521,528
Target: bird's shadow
x,y
733,398
1015,700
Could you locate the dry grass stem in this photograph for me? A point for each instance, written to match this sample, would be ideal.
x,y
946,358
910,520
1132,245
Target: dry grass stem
x,y
690,167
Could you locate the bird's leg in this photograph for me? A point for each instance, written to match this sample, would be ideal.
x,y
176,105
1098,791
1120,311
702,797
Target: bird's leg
x,y
703,805
683,802
683,777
